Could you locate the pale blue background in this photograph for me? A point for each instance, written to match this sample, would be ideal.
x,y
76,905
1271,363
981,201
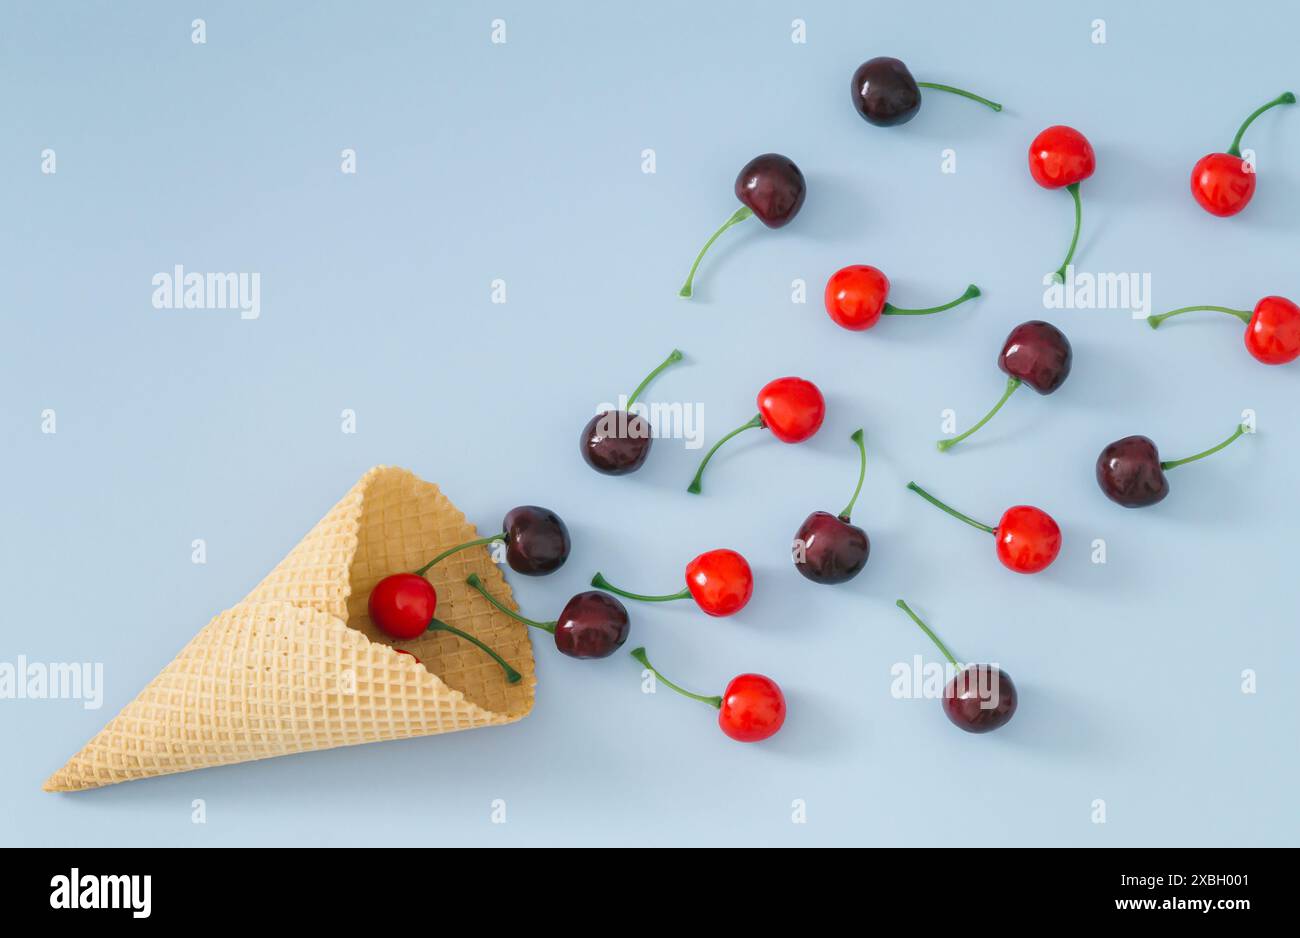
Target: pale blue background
x,y
522,162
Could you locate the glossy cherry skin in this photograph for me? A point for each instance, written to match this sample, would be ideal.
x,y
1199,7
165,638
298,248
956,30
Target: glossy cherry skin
x,y
402,605
720,582
1038,354
884,92
792,408
753,708
1129,472
615,442
1222,184
1028,539
1273,334
855,296
773,187
830,549
537,541
980,699
593,624
1061,156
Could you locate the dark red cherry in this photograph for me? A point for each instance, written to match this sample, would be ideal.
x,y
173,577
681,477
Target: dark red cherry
x,y
829,548
1131,473
1038,354
616,442
773,188
980,699
592,625
884,92
537,541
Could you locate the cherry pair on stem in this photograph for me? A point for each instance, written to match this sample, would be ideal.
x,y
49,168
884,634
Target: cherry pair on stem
x,y
616,442
1131,473
1027,539
403,605
792,408
981,697
720,581
750,709
1036,353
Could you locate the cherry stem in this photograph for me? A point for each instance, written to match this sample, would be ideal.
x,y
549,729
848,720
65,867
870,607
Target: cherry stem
x,y
639,655
1172,463
965,94
1073,189
846,514
952,511
1285,97
512,676
971,292
740,215
1242,314
694,487
945,445
926,629
474,581
676,356
601,583
451,550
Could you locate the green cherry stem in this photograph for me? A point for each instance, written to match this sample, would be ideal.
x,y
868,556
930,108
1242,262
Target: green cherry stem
x,y
847,514
512,676
1285,97
1242,314
945,445
601,583
971,292
993,105
740,215
1173,463
451,550
474,581
926,629
1073,189
952,511
694,487
640,655
676,356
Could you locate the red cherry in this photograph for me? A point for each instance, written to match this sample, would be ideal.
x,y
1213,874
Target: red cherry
x,y
1273,333
1272,330
1028,539
1223,183
792,408
752,708
1061,157
720,582
855,298
402,605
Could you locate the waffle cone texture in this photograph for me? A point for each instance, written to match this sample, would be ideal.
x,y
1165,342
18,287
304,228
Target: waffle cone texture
x,y
297,665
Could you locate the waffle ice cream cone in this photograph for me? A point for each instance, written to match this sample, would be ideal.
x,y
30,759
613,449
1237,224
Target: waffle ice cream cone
x,y
297,665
